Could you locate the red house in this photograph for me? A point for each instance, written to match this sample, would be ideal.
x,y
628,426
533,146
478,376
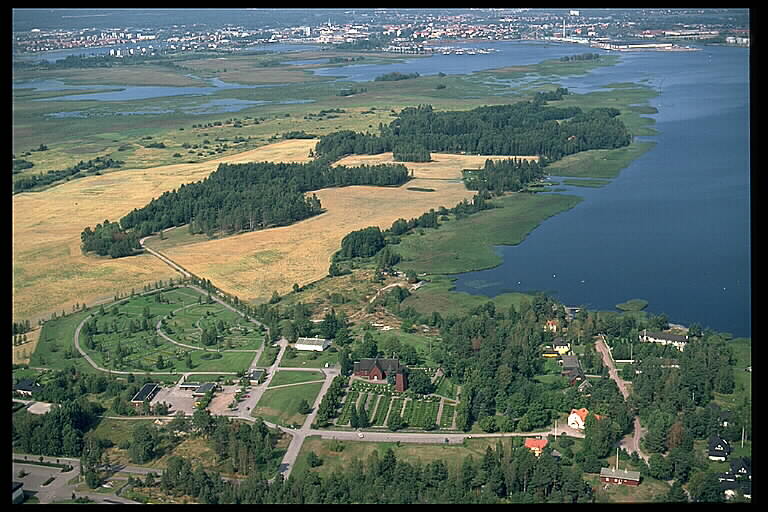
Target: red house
x,y
536,445
618,476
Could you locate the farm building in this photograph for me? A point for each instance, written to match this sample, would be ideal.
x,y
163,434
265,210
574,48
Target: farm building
x,y
189,385
572,369
561,346
316,344
618,476
551,326
549,353
676,340
536,445
147,392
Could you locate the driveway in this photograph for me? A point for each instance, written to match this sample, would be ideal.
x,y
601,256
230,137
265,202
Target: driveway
x,y
630,443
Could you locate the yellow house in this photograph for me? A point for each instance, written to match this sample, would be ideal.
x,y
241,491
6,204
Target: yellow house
x,y
561,347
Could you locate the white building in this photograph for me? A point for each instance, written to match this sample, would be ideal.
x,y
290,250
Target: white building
x,y
577,418
676,340
316,344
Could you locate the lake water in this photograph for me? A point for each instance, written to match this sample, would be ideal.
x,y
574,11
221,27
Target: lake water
x,y
674,227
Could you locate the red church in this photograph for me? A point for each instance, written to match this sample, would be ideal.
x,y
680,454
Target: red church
x,y
379,369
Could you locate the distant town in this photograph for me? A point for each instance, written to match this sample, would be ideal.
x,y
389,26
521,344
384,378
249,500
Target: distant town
x,y
405,31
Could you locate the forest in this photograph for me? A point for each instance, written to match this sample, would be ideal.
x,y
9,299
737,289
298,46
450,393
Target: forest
x,y
250,196
524,128
237,197
110,239
502,475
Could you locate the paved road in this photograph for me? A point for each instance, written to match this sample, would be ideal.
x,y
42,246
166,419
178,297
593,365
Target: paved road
x,y
59,489
630,443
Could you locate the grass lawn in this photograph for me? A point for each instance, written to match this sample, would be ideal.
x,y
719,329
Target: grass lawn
x,y
742,354
447,388
56,336
288,377
117,430
282,405
268,356
310,359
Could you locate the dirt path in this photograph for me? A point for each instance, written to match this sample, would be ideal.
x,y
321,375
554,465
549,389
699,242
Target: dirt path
x,y
630,443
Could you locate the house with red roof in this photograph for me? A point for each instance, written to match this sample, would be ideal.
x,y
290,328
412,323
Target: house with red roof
x,y
536,445
578,418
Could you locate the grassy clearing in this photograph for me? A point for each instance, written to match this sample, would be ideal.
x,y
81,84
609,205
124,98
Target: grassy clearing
x,y
288,377
452,455
599,163
467,245
310,359
438,295
282,405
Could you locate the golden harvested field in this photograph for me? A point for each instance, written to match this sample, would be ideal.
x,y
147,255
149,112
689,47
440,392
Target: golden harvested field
x,y
49,271
444,166
51,274
253,265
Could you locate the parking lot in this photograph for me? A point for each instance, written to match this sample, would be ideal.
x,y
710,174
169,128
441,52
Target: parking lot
x,y
178,399
182,399
221,399
37,475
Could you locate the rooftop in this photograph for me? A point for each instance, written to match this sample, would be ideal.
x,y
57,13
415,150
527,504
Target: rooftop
x,y
620,473
312,341
535,443
144,392
204,388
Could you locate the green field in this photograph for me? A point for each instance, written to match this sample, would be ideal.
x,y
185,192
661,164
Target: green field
x,y
282,405
468,244
310,359
412,453
283,377
599,163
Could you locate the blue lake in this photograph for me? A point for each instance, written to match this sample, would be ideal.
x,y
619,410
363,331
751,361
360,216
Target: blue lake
x,y
674,227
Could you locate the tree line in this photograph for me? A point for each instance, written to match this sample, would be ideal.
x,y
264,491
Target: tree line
x,y
96,165
523,128
246,197
509,175
506,474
